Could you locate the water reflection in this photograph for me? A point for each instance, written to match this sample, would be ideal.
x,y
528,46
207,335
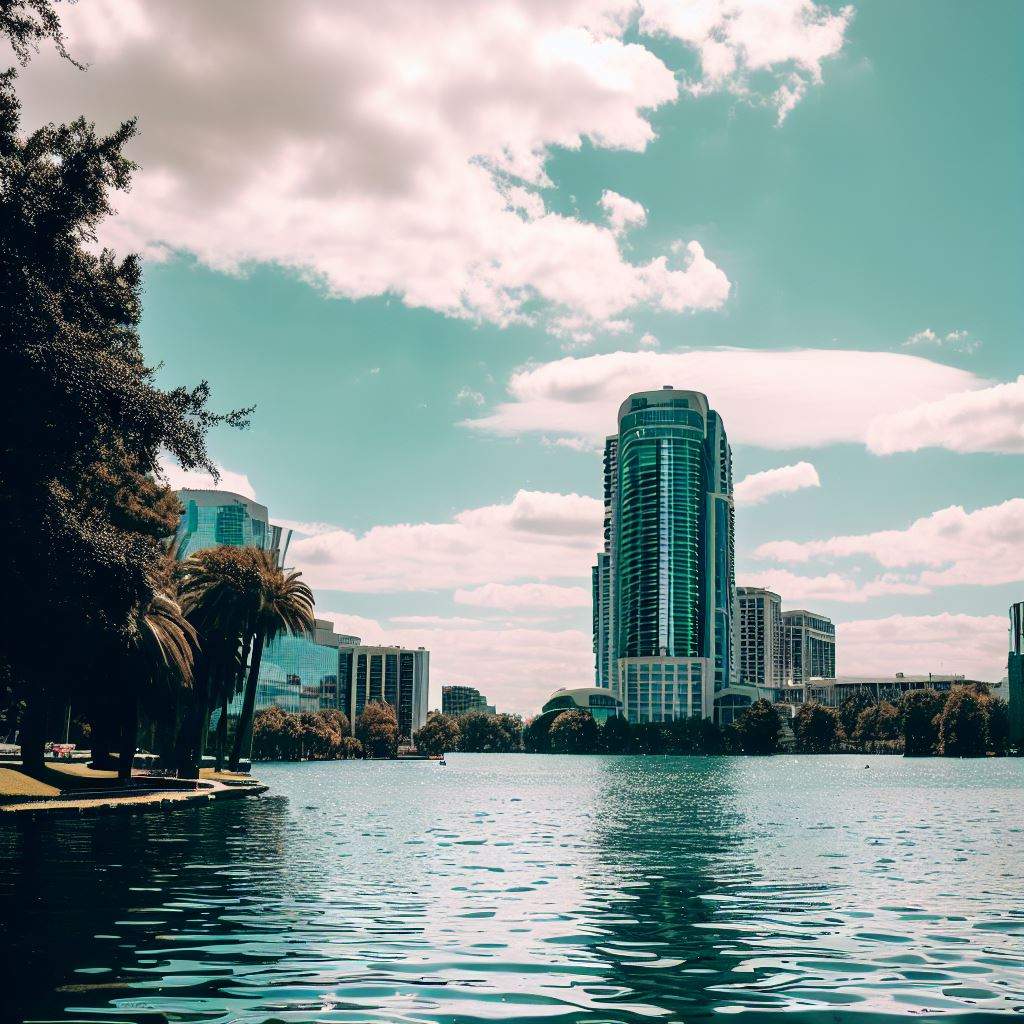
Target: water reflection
x,y
587,889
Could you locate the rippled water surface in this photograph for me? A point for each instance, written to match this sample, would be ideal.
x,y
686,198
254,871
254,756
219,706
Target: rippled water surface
x,y
516,887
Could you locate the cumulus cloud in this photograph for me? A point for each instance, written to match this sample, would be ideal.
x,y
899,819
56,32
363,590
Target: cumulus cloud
x,y
537,536
648,341
524,596
970,645
178,478
738,38
987,420
516,667
949,547
622,213
393,149
958,341
803,398
758,487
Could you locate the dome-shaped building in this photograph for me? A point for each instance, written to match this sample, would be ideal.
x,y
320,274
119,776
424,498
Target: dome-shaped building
x,y
600,703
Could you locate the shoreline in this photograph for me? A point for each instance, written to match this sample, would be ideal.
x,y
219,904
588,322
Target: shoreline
x,y
80,792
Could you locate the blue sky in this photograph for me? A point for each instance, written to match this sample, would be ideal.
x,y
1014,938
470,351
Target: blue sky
x,y
377,227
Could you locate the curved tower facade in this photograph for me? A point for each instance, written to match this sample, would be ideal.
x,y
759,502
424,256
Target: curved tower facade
x,y
670,612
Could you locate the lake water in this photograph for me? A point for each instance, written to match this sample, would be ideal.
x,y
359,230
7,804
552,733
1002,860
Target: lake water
x,y
808,889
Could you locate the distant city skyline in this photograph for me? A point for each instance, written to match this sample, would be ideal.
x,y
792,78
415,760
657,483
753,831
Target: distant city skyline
x,y
437,317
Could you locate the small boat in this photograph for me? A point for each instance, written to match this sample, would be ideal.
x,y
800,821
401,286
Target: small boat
x,y
443,763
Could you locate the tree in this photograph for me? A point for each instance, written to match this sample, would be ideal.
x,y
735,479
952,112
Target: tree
x,y
816,728
285,605
83,424
850,708
221,589
439,734
757,729
377,730
574,732
920,711
962,725
614,736
508,731
536,738
479,733
161,652
998,726
877,724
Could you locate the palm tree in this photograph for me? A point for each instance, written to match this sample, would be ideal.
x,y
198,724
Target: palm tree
x,y
286,606
221,589
161,647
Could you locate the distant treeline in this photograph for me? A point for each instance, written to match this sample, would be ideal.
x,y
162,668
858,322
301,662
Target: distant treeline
x,y
324,735
966,722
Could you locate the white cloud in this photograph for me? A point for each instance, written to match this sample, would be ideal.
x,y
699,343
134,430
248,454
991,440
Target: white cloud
x,y
648,341
538,536
738,38
622,213
951,546
178,478
803,398
795,589
393,149
958,341
524,596
469,395
517,668
758,487
971,645
986,420
307,529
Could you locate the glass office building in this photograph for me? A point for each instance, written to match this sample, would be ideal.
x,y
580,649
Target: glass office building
x,y
457,700
212,518
664,586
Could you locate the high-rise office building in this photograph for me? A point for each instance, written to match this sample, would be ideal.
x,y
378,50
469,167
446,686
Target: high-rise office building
x,y
760,637
664,586
457,700
212,518
393,675
1015,675
809,647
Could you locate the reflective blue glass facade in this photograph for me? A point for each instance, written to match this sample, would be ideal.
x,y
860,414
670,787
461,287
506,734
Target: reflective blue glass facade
x,y
665,587
212,518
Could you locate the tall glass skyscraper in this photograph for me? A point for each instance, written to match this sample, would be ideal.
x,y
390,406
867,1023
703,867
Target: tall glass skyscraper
x,y
664,586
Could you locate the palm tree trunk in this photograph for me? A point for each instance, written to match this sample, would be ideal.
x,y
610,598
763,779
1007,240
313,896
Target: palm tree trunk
x,y
129,737
243,733
222,729
190,737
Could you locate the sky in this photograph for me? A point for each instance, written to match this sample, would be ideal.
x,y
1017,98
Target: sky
x,y
436,245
